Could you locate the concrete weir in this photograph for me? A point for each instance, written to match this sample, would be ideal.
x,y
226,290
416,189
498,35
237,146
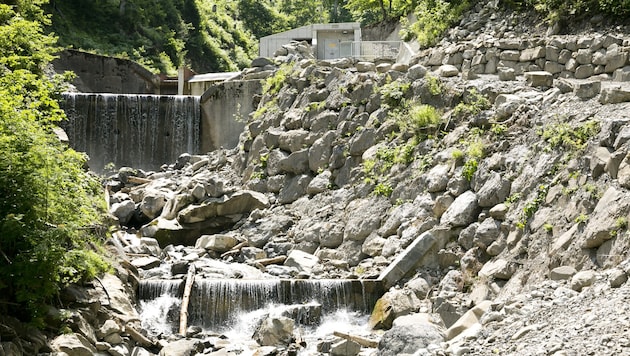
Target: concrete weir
x,y
215,303
147,131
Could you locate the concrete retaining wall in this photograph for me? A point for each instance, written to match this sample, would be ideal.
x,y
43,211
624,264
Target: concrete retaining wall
x,y
225,108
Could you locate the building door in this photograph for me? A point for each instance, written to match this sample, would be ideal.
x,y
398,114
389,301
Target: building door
x,y
331,46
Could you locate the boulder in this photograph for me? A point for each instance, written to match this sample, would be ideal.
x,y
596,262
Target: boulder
x,y
320,183
152,203
495,190
275,331
614,96
462,212
218,243
296,163
582,279
183,347
146,262
447,70
408,335
301,260
539,79
294,188
468,320
562,273
345,348
240,202
393,304
587,90
73,345
499,268
612,205
123,211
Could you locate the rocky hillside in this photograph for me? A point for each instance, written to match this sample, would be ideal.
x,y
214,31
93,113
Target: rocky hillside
x,y
491,172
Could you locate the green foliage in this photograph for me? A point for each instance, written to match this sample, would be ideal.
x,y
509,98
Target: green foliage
x,y
274,83
621,223
582,218
47,200
383,189
162,35
531,207
548,227
474,152
512,199
434,17
473,104
393,93
564,136
373,11
557,10
434,83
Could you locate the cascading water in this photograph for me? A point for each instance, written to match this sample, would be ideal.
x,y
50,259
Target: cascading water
x,y
142,131
234,305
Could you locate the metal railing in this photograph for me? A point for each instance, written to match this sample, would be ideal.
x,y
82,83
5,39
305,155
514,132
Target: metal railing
x,y
371,50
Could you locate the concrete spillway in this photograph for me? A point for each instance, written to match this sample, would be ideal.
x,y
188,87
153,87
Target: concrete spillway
x,y
217,304
140,131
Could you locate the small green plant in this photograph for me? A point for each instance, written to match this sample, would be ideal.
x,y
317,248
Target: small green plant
x,y
621,223
274,83
512,199
383,189
473,104
561,135
548,227
582,218
315,106
434,84
531,207
470,167
457,154
498,129
263,160
423,116
393,93
592,191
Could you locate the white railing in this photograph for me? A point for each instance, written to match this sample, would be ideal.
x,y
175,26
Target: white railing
x,y
371,50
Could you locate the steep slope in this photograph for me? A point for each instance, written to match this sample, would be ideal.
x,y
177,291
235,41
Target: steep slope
x,y
498,189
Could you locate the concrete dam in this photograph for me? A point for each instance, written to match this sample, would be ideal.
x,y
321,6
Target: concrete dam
x,y
146,131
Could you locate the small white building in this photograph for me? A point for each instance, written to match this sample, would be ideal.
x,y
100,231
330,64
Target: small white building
x,y
325,39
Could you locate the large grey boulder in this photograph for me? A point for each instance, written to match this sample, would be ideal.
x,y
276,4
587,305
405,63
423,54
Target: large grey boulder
x,y
183,347
123,211
294,188
152,203
494,191
240,202
539,79
296,163
362,217
219,242
393,304
613,204
320,151
304,262
73,345
614,95
408,335
275,331
462,212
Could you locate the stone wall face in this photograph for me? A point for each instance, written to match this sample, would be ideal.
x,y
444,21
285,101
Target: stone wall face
x,y
102,74
226,107
563,56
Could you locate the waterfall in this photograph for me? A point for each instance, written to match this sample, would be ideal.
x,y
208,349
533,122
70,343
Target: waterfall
x,y
221,304
160,302
217,304
141,131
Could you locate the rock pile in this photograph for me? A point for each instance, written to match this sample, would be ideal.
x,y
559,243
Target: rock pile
x,y
489,223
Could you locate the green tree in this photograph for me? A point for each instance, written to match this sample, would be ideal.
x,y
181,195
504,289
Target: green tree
x,y
372,11
261,19
47,199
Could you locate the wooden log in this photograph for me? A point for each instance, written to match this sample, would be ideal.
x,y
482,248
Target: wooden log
x,y
363,341
138,337
183,314
138,180
236,249
270,261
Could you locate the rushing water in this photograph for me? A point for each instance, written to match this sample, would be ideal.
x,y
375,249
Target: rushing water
x,y
142,131
233,307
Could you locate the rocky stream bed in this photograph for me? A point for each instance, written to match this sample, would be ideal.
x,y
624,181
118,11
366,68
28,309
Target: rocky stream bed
x,y
500,229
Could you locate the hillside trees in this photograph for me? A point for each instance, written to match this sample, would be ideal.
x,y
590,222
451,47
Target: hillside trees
x,y
47,199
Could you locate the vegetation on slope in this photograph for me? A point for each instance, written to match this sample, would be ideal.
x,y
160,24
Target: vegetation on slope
x,y
47,199
208,36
